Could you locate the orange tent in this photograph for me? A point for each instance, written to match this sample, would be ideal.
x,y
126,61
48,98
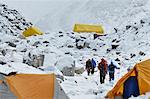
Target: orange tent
x,y
33,86
135,82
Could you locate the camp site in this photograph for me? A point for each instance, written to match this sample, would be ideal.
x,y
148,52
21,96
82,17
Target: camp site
x,y
74,49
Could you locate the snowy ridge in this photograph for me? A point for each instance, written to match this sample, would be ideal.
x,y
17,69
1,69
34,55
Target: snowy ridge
x,y
11,22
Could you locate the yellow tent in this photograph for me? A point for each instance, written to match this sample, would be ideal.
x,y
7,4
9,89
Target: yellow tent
x,y
135,82
32,31
31,86
88,28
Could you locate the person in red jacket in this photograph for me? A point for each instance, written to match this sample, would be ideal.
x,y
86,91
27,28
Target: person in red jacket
x,y
102,66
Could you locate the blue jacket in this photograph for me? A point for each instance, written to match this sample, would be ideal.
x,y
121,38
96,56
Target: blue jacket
x,y
93,63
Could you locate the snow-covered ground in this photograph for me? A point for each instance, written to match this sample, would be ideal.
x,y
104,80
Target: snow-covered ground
x,y
126,24
89,87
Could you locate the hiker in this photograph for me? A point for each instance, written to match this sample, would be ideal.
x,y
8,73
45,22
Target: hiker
x,y
88,66
102,66
111,69
93,65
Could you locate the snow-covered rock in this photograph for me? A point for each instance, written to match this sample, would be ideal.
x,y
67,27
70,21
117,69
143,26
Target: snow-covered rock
x,y
66,65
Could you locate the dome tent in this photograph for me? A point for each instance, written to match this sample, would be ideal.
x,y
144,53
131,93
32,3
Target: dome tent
x,y
135,82
30,86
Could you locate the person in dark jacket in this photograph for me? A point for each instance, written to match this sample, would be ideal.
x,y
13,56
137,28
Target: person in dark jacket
x,y
111,69
102,66
88,66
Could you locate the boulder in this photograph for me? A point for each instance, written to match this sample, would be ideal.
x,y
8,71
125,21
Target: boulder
x,y
68,71
79,70
66,65
55,70
114,46
142,53
35,60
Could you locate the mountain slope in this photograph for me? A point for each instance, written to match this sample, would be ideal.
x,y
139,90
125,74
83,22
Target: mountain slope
x,y
126,41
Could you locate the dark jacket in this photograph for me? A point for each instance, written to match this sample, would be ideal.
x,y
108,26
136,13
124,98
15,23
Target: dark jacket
x,y
88,64
112,67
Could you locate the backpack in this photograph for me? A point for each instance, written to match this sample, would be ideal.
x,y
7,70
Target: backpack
x,y
93,63
102,69
111,67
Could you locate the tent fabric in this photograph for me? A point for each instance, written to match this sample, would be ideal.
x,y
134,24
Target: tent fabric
x,y
59,92
131,87
141,71
88,28
32,86
5,93
32,31
144,76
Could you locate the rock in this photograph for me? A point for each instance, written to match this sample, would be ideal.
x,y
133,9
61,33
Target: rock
x,y
137,32
80,44
68,71
127,59
11,44
128,27
24,50
75,81
95,93
114,46
117,41
3,52
135,28
70,46
61,35
66,65
21,37
83,37
60,77
67,52
36,43
108,50
117,59
34,60
94,49
87,45
46,42
116,30
114,40
79,70
142,22
142,53
2,63
60,32
118,53
132,55
55,70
